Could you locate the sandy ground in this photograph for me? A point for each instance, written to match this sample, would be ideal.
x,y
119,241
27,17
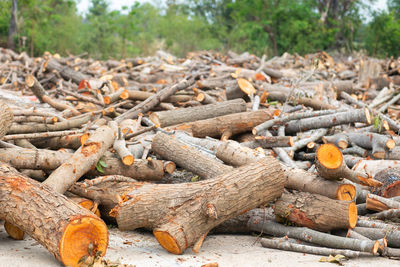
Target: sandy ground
x,y
141,249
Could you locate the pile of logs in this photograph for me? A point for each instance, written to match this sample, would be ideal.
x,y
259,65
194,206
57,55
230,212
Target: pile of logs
x,y
304,149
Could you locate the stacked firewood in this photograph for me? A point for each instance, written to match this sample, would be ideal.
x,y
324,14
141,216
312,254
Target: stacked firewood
x,y
300,148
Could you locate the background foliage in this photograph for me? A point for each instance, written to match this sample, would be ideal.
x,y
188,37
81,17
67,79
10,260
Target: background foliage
x,y
269,27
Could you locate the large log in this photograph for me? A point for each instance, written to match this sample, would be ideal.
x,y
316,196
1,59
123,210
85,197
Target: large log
x,y
6,118
187,157
177,116
67,230
390,178
316,212
193,209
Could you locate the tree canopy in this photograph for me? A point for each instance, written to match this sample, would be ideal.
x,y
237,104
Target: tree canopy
x,y
269,27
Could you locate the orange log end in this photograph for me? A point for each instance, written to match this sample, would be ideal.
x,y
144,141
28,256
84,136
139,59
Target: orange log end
x,y
168,242
329,156
13,231
83,236
128,160
352,214
346,192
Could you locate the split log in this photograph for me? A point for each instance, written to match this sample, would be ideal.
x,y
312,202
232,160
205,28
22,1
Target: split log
x,y
6,119
392,236
225,126
177,116
195,208
42,95
272,228
378,203
315,211
327,121
390,178
67,230
330,165
285,245
83,159
187,157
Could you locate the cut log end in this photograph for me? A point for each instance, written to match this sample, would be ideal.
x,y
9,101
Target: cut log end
x,y
124,95
84,138
329,156
346,192
169,167
128,160
29,80
90,205
342,144
154,118
352,214
107,100
83,236
367,115
13,231
390,144
168,242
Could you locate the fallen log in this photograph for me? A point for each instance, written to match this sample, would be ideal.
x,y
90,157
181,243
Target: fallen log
x,y
331,165
82,160
392,236
285,245
65,71
327,121
177,116
372,167
225,126
67,230
378,203
187,157
378,143
315,211
259,224
209,203
6,118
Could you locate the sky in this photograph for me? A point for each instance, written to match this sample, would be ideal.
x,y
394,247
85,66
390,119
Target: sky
x,y
83,5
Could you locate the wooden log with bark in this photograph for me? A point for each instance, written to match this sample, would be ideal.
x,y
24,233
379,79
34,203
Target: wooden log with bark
x,y
315,211
196,208
390,178
177,116
67,230
6,118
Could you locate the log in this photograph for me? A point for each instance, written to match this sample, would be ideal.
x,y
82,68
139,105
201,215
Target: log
x,y
234,154
6,118
372,167
227,125
42,95
392,236
154,100
65,71
195,208
272,228
378,203
274,141
378,143
67,230
330,165
315,211
42,159
285,245
178,116
82,160
327,121
390,178
187,157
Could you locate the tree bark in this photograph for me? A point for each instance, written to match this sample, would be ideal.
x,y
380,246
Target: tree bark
x,y
316,212
177,116
83,159
195,208
64,228
390,178
392,236
66,72
187,157
272,228
227,125
6,119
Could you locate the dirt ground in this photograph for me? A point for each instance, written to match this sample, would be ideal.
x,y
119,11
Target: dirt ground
x,y
142,249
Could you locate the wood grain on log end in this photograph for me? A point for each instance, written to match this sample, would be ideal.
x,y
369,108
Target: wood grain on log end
x,y
168,242
352,214
13,231
82,236
128,160
169,167
367,116
346,192
329,156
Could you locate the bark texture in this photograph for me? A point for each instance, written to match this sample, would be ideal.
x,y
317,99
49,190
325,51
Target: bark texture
x,y
6,118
